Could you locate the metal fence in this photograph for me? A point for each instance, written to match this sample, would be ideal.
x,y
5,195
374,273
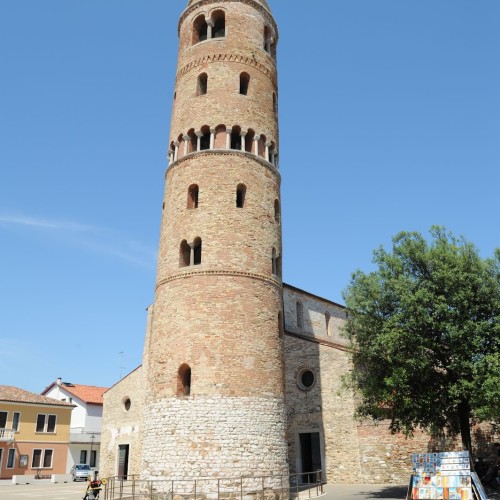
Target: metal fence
x,y
275,487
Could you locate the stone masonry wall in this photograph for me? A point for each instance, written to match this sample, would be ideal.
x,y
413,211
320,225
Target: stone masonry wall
x,y
122,426
240,437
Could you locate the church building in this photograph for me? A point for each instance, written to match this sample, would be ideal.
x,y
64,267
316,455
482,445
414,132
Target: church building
x,y
241,374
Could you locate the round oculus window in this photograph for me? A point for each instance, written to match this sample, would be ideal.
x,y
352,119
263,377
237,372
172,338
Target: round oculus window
x,y
305,379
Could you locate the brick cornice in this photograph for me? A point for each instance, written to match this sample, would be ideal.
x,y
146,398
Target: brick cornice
x,y
219,272
225,152
238,58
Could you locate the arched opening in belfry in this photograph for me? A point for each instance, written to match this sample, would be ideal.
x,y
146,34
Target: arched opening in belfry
x,y
300,314
184,254
244,83
249,140
276,263
262,146
241,192
193,193
197,251
202,87
236,138
184,380
205,138
200,29
171,152
220,137
180,152
272,154
219,26
277,213
193,141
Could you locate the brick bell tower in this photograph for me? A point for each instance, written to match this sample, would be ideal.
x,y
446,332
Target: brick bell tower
x,y
214,355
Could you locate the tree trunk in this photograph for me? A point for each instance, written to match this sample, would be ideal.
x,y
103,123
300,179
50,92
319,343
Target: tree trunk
x,y
464,419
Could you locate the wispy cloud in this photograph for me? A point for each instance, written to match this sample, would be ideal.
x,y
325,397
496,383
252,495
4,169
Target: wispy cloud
x,y
94,238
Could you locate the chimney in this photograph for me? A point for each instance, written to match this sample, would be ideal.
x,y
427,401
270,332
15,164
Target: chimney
x,y
59,381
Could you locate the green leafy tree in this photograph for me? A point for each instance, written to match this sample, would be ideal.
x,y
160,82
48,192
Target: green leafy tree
x,y
425,335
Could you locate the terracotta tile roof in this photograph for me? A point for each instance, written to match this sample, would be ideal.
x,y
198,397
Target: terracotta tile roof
x,y
16,395
87,393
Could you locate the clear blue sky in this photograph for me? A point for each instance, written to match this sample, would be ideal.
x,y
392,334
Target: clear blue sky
x,y
390,120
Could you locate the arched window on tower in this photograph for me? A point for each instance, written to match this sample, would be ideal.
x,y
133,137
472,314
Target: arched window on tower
x,y
300,315
197,251
184,380
275,103
269,42
219,20
244,83
193,192
241,192
202,88
200,29
236,138
277,212
249,140
205,138
184,254
220,137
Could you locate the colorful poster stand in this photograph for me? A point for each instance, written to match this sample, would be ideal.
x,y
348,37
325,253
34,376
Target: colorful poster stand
x,y
442,475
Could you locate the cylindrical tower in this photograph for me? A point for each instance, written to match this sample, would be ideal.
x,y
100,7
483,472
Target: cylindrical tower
x,y
215,375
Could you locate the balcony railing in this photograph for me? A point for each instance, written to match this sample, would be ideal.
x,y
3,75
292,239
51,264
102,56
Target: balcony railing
x,y
80,435
7,434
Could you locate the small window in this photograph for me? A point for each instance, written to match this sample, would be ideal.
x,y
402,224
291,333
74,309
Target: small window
x,y
202,84
3,419
83,456
277,213
127,404
200,29
300,315
193,196
47,459
275,103
93,458
219,20
244,83
185,254
36,461
11,458
241,192
184,380
16,418
305,379
51,424
40,422
197,251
